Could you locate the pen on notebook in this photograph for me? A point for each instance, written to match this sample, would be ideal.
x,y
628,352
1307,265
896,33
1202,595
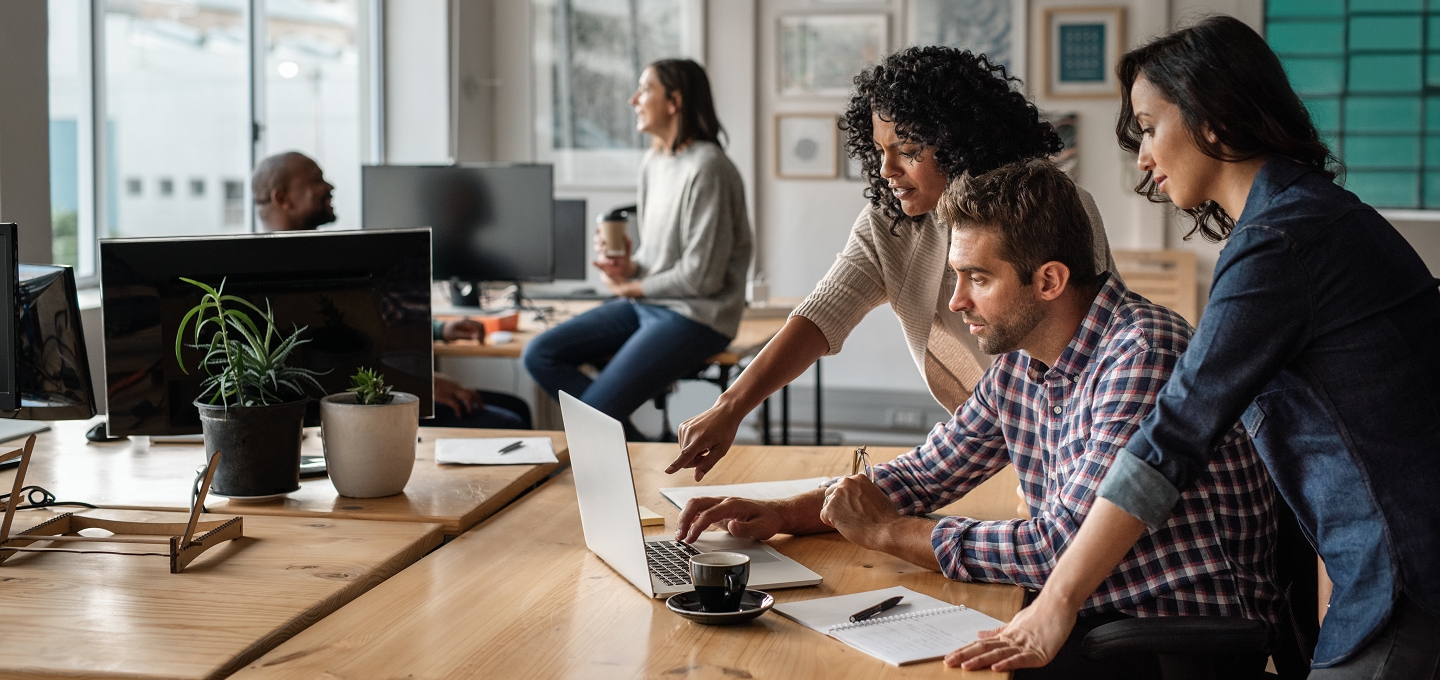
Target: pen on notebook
x,y
871,611
511,447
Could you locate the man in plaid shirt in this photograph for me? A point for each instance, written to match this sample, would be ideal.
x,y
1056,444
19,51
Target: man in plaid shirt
x,y
1083,359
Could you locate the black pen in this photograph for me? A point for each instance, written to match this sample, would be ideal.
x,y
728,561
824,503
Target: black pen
x,y
512,447
871,611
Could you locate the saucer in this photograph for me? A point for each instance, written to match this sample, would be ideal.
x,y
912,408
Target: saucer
x,y
752,604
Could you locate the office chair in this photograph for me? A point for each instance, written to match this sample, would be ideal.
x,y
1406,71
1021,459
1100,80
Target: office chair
x,y
1196,647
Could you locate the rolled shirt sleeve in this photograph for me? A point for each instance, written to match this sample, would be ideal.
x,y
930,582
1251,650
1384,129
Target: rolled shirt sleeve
x,y
1258,319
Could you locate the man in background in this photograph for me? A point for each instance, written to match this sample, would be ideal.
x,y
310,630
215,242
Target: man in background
x,y
291,194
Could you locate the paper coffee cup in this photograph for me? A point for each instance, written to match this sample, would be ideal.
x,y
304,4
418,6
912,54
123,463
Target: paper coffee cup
x,y
612,237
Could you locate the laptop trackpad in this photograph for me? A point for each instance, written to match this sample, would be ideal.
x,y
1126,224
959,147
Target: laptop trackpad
x,y
715,541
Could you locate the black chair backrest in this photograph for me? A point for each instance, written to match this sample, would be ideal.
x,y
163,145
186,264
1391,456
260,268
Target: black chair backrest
x,y
1297,574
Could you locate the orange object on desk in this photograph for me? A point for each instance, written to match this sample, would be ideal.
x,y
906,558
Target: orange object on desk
x,y
508,322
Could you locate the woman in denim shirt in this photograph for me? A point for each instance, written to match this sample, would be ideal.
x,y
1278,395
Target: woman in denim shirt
x,y
1322,335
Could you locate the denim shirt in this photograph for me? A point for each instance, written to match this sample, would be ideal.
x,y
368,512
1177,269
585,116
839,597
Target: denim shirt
x,y
1323,331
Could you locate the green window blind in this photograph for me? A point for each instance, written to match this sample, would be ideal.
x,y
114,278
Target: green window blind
x,y
1369,72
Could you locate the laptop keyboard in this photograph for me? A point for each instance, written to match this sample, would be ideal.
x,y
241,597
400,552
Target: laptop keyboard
x,y
670,561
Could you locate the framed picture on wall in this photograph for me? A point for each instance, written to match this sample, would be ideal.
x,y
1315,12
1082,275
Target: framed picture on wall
x,y
806,146
820,54
1082,46
994,28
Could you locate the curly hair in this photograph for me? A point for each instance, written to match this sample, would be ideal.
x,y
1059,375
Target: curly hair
x,y
954,102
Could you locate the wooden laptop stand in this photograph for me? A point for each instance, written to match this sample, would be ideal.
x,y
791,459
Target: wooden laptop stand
x,y
184,546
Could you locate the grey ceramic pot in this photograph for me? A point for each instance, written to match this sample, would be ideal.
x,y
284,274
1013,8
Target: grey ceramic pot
x,y
369,449
259,445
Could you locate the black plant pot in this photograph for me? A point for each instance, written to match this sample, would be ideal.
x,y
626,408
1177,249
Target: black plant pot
x,y
259,445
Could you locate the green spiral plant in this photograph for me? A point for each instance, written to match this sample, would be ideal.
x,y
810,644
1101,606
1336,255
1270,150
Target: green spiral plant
x,y
370,388
245,364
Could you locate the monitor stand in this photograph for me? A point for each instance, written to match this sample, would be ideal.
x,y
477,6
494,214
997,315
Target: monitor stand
x,y
14,429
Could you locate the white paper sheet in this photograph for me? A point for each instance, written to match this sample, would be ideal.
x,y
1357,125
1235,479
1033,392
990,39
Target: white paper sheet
x,y
920,628
536,451
759,491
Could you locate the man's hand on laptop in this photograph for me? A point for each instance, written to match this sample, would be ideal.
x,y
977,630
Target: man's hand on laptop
x,y
742,517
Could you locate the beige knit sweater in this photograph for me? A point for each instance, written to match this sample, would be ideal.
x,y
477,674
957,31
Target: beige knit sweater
x,y
909,271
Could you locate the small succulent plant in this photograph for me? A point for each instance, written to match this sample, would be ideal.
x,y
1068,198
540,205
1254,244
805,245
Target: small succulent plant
x,y
370,388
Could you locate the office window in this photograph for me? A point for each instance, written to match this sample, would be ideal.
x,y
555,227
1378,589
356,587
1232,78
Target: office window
x,y
71,124
195,90
312,92
589,56
1369,72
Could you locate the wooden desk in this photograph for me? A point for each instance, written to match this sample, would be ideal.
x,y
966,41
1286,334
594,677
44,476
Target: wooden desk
x,y
756,329
521,597
137,475
110,616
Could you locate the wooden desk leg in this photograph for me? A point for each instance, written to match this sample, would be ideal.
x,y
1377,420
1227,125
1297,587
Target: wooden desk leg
x,y
785,415
819,409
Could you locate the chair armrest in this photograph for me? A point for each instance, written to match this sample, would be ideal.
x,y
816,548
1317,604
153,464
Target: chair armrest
x,y
1175,635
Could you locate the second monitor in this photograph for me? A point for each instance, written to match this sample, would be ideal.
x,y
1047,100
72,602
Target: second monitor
x,y
490,222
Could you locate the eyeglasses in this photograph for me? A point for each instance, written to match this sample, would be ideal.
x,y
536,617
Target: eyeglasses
x,y
861,462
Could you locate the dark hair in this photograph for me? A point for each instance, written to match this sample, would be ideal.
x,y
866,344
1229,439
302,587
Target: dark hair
x,y
1224,79
954,102
697,106
1037,211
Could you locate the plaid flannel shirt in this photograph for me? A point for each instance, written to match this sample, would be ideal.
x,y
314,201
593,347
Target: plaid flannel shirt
x,y
1061,428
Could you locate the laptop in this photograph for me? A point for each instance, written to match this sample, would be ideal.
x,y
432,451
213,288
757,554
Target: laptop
x,y
610,517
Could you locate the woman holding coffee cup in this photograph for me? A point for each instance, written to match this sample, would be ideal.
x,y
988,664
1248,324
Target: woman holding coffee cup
x,y
681,293
919,119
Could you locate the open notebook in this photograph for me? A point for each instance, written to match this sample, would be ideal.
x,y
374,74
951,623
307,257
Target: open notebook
x,y
920,628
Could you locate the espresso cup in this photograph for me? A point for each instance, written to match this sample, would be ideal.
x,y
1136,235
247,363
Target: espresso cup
x,y
612,236
719,579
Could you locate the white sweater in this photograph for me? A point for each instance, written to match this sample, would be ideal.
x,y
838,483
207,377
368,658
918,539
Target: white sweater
x,y
909,271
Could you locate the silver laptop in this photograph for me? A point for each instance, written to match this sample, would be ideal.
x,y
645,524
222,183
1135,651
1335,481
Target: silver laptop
x,y
610,517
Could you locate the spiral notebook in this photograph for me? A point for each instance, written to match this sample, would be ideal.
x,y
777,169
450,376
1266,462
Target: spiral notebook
x,y
920,628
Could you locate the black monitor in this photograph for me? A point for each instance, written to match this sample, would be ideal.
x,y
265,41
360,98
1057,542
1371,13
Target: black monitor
x,y
572,239
50,369
363,298
490,222
9,295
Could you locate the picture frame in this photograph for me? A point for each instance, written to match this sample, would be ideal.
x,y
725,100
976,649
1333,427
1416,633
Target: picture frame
x,y
807,146
820,54
999,29
1082,46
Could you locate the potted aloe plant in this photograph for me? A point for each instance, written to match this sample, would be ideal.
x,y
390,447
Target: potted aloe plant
x,y
369,436
252,404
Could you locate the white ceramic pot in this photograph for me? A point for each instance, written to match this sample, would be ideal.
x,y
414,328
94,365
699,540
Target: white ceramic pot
x,y
369,449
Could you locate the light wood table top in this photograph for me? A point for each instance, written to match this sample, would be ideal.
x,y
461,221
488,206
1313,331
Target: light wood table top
x,y
138,475
521,597
756,329
112,616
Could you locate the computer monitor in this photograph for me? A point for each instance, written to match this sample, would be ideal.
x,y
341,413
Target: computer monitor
x,y
9,292
362,297
490,222
572,239
49,364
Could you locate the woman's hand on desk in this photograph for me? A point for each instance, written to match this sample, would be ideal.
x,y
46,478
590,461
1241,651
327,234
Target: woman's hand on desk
x,y
462,329
461,399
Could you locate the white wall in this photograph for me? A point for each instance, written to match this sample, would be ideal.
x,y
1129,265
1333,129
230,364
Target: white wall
x,y
25,126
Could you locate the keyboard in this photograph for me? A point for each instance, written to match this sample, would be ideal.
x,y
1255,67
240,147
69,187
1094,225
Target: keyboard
x,y
670,561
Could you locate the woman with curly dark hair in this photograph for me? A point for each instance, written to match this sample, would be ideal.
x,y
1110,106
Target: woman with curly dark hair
x,y
919,119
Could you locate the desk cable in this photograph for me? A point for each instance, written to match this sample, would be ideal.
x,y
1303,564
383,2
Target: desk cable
x,y
36,497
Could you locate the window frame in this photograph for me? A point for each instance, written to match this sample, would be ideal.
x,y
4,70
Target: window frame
x,y
1422,137
94,176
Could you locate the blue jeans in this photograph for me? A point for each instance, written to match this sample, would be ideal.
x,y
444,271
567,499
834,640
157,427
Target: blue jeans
x,y
648,348
500,412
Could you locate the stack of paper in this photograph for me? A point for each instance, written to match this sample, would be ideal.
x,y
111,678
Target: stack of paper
x,y
533,451
756,491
